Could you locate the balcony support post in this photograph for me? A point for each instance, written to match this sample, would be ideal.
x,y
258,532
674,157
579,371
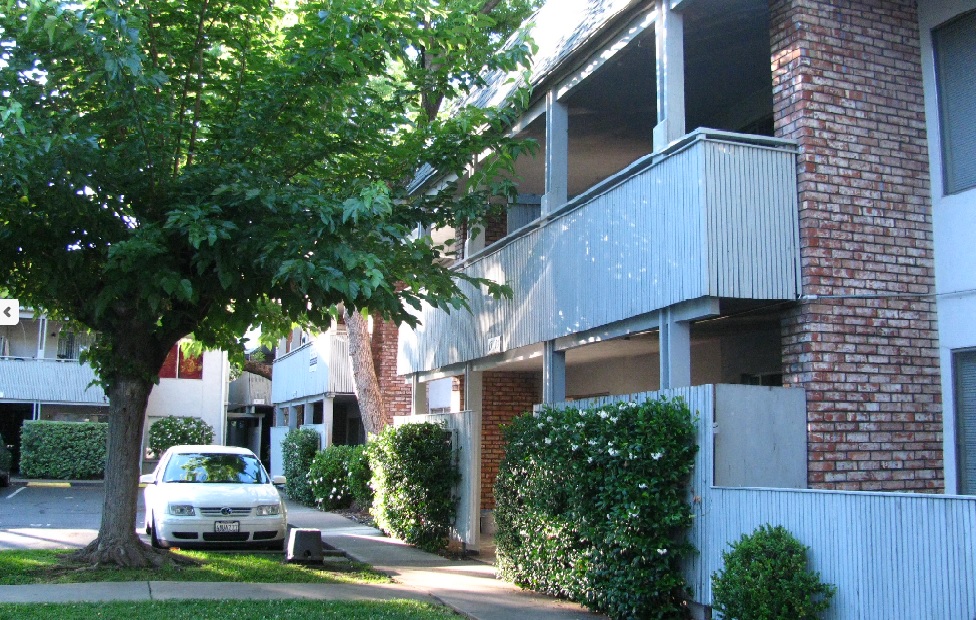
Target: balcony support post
x,y
669,37
675,351
328,417
557,153
474,393
553,374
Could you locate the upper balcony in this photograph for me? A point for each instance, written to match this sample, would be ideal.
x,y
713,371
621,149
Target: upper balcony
x,y
712,216
317,368
30,380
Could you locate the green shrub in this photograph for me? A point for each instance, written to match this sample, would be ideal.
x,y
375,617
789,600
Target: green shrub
x,y
6,458
414,474
329,477
765,577
298,451
63,450
592,505
178,431
360,474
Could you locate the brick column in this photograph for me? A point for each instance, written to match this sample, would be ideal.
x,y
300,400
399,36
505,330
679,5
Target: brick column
x,y
847,86
397,393
506,395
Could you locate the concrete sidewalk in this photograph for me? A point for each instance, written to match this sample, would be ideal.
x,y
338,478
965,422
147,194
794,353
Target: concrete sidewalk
x,y
467,586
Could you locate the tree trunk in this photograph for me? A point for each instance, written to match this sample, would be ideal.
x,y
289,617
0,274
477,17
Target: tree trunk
x,y
366,383
117,542
261,369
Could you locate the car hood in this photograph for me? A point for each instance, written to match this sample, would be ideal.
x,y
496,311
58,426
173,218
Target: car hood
x,y
202,494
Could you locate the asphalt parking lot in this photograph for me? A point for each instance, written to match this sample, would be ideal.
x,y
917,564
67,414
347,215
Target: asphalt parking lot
x,y
39,516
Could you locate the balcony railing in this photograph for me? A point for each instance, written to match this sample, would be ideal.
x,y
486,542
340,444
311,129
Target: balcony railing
x,y
49,381
319,367
714,216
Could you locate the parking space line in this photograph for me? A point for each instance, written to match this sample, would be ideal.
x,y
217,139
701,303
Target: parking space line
x,y
16,492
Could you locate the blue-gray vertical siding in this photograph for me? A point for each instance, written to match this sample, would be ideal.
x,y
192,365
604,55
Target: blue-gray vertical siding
x,y
49,381
715,217
292,378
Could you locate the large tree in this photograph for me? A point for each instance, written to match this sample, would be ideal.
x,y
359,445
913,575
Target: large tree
x,y
177,167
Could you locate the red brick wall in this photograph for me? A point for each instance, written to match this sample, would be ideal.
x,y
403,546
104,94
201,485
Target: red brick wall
x,y
496,227
847,87
506,395
397,394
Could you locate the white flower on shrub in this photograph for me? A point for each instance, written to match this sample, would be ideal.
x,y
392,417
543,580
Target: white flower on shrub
x,y
662,551
657,455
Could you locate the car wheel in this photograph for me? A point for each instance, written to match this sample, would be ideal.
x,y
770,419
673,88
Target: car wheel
x,y
153,539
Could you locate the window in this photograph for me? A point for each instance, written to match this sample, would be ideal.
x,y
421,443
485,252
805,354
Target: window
x,y
955,70
179,365
66,345
964,371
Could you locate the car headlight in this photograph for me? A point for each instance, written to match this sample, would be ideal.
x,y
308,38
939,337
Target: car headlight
x,y
267,511
181,510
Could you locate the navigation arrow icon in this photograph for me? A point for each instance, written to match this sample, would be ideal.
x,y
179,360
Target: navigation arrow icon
x,y
10,312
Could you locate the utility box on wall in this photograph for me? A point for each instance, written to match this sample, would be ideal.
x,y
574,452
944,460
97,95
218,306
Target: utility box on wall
x,y
760,436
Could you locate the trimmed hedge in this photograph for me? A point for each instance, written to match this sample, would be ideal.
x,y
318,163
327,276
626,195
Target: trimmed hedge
x,y
298,451
63,450
593,505
414,474
177,431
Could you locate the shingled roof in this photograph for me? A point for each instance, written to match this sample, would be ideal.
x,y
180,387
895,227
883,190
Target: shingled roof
x,y
559,29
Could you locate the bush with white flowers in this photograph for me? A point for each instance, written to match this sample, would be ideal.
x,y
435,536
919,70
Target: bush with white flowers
x,y
178,431
329,477
592,504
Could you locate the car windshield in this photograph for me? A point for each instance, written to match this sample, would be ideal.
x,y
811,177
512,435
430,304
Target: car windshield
x,y
216,468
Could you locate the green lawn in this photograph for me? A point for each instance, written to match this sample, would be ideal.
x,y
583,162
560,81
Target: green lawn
x,y
26,567
227,610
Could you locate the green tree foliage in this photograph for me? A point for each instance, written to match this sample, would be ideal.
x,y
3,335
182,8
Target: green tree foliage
x,y
174,167
175,431
592,504
765,577
414,474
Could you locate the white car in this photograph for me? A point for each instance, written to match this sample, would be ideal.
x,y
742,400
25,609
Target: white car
x,y
213,495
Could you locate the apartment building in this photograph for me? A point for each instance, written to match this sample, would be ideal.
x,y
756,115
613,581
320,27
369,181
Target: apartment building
x,y
725,192
42,378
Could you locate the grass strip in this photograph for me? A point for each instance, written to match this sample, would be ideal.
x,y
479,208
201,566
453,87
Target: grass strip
x,y
53,566
227,610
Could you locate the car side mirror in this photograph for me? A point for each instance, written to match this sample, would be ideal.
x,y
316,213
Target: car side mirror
x,y
277,479
147,479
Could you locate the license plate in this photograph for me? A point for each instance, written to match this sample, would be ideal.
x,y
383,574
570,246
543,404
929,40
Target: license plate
x,y
227,526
